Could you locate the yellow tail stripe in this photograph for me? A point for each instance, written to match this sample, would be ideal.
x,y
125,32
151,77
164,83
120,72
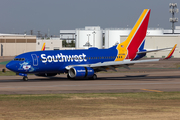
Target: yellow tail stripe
x,y
122,47
135,28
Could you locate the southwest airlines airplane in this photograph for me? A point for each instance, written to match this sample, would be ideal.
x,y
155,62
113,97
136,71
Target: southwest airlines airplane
x,y
85,63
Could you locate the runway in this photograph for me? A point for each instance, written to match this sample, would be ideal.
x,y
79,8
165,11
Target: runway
x,y
106,83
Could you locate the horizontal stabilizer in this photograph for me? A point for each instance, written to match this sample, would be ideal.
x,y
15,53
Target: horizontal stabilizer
x,y
147,51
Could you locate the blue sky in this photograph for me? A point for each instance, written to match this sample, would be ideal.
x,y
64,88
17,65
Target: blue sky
x,y
18,16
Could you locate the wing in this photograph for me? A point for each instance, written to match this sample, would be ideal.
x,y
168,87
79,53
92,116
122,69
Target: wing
x,y
112,64
103,66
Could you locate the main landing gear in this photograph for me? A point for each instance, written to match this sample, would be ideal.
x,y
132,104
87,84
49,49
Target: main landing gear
x,y
25,78
94,77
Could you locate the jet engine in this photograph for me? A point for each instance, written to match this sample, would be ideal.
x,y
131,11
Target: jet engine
x,y
46,74
81,72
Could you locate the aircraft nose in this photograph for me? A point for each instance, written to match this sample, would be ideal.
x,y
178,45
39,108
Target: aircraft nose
x,y
11,65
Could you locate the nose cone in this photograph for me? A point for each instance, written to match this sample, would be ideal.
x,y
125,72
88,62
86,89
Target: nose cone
x,y
11,66
8,65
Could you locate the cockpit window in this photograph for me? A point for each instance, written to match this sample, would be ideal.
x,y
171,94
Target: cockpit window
x,y
22,59
19,59
16,59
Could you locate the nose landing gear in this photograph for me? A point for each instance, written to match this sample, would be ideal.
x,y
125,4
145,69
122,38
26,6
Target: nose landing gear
x,y
25,78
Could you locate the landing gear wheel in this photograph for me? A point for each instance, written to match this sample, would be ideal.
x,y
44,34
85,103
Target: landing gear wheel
x,y
94,77
25,78
68,77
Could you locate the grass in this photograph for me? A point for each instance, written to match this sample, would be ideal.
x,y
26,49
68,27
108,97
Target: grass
x,y
5,62
177,65
138,106
7,73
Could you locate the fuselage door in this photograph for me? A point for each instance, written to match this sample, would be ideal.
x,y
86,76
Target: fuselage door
x,y
35,59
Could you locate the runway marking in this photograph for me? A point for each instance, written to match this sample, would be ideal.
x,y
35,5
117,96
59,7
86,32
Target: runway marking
x,y
151,90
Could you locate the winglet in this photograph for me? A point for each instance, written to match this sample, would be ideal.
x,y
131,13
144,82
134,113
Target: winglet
x,y
43,47
171,52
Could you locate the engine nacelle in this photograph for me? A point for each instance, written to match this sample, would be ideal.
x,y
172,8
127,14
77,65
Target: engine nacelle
x,y
46,74
81,72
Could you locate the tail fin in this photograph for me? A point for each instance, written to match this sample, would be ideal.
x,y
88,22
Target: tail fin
x,y
43,47
132,44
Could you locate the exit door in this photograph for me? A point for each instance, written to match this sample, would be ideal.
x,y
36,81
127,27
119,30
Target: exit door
x,y
35,59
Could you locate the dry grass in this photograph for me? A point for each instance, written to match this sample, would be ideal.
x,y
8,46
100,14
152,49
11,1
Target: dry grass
x,y
138,106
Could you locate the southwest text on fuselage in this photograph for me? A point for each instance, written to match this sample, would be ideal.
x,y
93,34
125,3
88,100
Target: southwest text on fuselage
x,y
63,58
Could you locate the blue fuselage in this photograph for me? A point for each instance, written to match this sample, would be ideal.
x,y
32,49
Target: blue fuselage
x,y
56,61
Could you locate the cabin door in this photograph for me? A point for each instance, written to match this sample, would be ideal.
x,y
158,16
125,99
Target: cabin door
x,y
35,59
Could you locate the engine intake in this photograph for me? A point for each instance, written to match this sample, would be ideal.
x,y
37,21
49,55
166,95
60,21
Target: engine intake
x,y
81,72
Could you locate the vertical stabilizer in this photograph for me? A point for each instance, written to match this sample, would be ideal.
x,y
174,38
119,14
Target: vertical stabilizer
x,y
131,45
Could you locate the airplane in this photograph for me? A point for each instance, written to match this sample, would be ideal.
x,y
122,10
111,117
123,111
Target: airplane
x,y
83,64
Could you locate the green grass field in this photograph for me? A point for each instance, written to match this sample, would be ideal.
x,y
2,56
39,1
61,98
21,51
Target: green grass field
x,y
7,73
138,106
5,62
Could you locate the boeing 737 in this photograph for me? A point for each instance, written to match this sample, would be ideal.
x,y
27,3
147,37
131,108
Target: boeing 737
x,y
85,63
